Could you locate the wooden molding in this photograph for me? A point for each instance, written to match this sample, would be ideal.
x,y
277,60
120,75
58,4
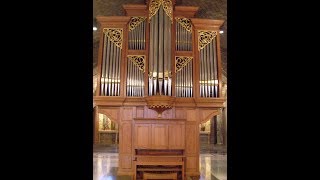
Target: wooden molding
x,y
206,24
113,21
135,9
185,11
108,100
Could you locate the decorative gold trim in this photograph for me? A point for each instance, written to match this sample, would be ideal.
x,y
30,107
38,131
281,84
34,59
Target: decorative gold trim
x,y
115,35
135,21
205,38
138,60
167,7
185,23
155,5
182,61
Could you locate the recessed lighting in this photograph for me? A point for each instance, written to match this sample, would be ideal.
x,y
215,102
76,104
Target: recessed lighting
x,y
95,28
221,32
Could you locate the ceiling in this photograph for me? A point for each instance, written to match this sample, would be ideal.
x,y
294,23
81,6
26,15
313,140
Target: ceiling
x,y
211,9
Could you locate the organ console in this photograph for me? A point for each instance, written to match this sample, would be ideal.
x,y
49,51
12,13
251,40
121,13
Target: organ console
x,y
159,77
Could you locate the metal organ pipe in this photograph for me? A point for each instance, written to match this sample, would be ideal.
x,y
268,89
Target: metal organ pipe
x,y
160,54
103,76
215,67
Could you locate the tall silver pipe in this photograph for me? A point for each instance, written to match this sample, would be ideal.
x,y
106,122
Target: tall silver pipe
x,y
116,72
166,60
177,84
160,75
113,70
142,84
133,79
184,39
140,36
183,82
143,34
211,70
169,25
129,78
130,39
190,78
156,19
110,69
139,82
204,73
177,36
215,66
201,73
208,70
103,76
151,56
187,40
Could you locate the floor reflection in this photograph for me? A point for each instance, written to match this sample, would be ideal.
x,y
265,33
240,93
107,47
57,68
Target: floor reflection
x,y
213,166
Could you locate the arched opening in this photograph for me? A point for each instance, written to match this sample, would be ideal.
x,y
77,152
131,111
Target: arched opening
x,y
108,131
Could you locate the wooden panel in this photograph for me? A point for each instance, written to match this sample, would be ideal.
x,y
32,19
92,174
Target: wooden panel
x,y
159,159
125,161
167,114
159,136
125,135
160,176
176,136
192,138
149,113
191,163
96,125
142,136
192,115
127,114
140,112
180,113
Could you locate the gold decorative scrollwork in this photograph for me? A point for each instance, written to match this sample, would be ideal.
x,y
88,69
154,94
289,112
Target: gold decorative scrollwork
x,y
185,23
155,5
205,37
115,35
167,7
135,21
182,61
138,61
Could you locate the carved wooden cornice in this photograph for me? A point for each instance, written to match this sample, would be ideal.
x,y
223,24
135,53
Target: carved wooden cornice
x,y
160,101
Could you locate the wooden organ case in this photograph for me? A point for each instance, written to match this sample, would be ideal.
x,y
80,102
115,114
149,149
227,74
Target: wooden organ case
x,y
159,77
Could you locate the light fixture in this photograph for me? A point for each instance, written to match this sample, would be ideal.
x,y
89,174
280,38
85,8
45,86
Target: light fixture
x,y
221,32
95,28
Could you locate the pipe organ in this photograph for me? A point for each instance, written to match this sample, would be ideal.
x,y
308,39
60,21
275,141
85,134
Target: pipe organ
x,y
159,77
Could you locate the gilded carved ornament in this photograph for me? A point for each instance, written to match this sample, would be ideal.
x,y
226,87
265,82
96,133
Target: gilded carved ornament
x,y
135,21
155,5
115,35
182,61
205,38
138,60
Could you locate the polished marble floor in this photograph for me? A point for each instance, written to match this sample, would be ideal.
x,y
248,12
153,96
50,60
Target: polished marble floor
x,y
213,163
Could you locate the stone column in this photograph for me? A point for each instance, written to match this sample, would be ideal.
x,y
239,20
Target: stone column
x,y
213,130
96,126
